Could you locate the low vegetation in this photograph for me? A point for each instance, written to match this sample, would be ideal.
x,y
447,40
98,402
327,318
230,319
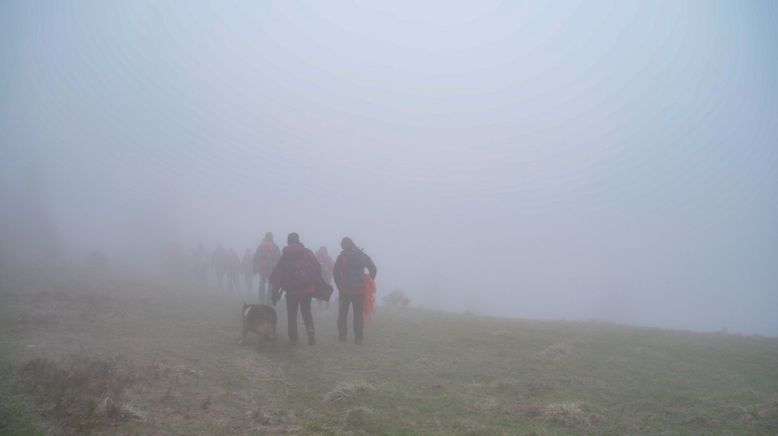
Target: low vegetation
x,y
90,353
397,298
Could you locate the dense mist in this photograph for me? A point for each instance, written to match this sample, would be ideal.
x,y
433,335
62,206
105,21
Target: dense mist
x,y
615,161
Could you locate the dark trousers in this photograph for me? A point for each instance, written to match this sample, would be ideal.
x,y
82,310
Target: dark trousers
x,y
358,301
304,302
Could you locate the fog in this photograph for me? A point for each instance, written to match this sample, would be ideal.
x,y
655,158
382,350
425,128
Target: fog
x,y
615,161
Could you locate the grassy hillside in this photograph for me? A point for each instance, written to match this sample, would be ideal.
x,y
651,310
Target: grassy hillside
x,y
91,353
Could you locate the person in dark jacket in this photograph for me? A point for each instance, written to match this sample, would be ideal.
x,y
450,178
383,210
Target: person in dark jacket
x,y
350,278
265,259
296,273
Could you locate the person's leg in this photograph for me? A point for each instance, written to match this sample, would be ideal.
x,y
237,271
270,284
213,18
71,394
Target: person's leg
x,y
359,321
305,309
291,316
343,303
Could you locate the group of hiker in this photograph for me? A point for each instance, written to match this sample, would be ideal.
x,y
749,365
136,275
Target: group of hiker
x,y
225,265
301,276
296,273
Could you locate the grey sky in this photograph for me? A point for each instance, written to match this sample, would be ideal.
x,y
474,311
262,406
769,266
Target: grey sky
x,y
611,160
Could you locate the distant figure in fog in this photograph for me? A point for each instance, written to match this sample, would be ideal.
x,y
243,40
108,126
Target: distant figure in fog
x,y
219,261
327,264
296,273
247,269
233,270
354,287
265,259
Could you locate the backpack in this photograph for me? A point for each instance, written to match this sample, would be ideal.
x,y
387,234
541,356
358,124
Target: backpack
x,y
302,271
353,269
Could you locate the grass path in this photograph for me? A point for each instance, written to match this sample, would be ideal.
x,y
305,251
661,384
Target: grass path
x,y
170,356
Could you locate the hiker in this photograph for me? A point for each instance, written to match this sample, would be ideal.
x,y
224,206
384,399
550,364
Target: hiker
x,y
247,268
326,269
219,261
354,287
233,270
296,273
265,259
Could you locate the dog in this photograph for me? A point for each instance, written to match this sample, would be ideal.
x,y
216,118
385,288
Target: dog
x,y
260,319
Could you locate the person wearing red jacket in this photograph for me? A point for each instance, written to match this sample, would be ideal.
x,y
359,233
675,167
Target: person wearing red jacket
x,y
265,259
296,273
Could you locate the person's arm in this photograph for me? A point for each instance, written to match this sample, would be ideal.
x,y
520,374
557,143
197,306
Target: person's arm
x,y
371,267
336,274
276,279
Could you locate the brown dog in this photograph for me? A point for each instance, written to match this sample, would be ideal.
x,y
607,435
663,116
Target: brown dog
x,y
260,319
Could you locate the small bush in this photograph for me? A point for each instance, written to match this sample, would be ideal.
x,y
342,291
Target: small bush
x,y
397,298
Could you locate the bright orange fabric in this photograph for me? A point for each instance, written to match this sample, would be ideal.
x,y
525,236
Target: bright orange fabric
x,y
369,307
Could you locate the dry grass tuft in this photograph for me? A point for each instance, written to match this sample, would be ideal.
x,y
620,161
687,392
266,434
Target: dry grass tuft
x,y
82,392
569,414
347,390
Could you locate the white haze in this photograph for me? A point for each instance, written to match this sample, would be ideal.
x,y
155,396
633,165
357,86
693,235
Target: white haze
x,y
567,160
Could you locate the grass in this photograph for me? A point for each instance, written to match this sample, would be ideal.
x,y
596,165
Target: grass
x,y
129,356
15,416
